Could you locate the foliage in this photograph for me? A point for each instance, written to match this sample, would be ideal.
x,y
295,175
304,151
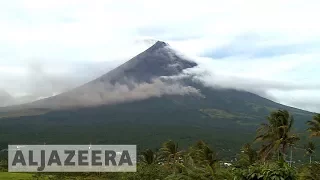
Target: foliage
x,y
170,152
201,162
147,172
247,156
203,154
277,171
3,165
314,124
276,134
310,149
309,172
189,170
149,157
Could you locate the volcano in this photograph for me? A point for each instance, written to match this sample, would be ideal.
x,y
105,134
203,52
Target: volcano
x,y
139,78
145,101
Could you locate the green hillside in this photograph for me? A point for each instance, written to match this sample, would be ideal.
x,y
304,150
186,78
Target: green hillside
x,y
224,118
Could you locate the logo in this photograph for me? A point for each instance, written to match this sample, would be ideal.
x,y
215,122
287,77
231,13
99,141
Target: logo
x,y
72,158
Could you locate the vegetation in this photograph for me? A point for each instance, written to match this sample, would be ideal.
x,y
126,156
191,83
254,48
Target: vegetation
x,y
268,158
15,176
276,135
314,124
310,149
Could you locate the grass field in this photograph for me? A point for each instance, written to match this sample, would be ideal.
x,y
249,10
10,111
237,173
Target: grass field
x,y
15,176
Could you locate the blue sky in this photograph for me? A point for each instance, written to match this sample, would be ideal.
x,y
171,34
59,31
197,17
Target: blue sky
x,y
268,47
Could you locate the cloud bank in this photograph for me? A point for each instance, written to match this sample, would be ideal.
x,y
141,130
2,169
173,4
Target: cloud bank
x,y
267,47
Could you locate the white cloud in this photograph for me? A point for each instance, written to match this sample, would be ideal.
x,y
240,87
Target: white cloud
x,y
271,44
288,79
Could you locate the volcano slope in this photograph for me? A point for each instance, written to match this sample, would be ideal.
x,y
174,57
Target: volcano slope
x,y
139,103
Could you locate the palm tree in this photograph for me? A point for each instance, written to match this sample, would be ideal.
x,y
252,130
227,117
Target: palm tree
x,y
276,134
149,157
310,148
249,154
170,152
203,154
314,124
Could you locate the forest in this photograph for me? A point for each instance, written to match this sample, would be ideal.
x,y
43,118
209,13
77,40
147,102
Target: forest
x,y
269,156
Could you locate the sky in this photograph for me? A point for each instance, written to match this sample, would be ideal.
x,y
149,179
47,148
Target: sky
x,y
268,47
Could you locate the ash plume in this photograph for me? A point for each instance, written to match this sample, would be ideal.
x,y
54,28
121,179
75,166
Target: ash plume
x,y
106,93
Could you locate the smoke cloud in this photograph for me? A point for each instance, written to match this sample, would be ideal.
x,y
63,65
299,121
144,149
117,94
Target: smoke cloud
x,y
106,93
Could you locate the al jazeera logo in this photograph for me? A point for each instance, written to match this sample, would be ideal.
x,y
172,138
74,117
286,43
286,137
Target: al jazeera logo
x,y
72,158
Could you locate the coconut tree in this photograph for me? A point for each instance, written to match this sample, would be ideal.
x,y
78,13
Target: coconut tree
x,y
203,154
276,135
310,149
314,124
248,156
171,152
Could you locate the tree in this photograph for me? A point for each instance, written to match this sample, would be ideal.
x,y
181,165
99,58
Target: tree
x,y
276,134
149,157
188,170
203,154
310,148
248,156
314,124
170,152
